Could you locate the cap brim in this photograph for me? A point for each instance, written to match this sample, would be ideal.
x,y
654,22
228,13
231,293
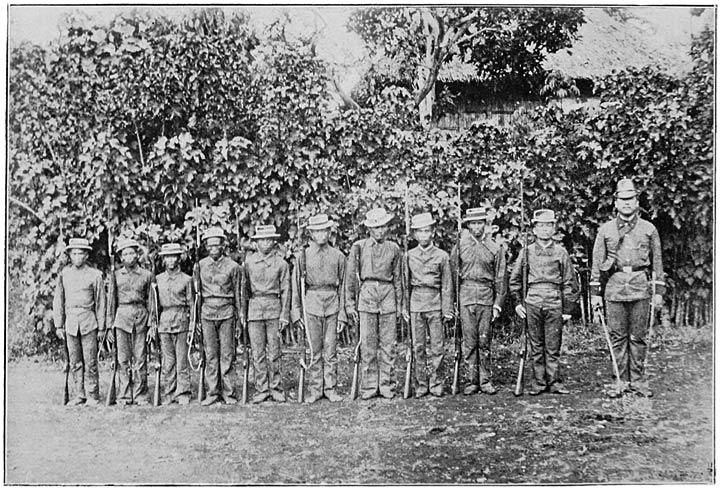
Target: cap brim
x,y
424,225
78,247
387,219
267,236
319,227
626,194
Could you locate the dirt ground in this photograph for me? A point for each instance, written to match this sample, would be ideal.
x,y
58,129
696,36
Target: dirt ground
x,y
580,438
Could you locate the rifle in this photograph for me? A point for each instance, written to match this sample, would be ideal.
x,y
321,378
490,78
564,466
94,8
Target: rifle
x,y
410,355
111,306
458,325
154,341
651,322
195,339
523,354
301,278
243,319
354,385
66,367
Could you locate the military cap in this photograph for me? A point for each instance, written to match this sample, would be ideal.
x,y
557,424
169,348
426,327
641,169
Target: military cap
x,y
78,244
625,189
543,215
377,217
265,232
319,221
420,221
213,232
476,214
126,243
171,249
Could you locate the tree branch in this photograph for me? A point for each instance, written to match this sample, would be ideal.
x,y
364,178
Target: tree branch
x,y
15,201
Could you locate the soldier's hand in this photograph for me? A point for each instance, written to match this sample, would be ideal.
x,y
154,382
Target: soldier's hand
x,y
341,325
152,332
596,302
355,317
495,313
300,324
657,300
520,310
448,321
283,324
406,317
566,317
60,333
102,335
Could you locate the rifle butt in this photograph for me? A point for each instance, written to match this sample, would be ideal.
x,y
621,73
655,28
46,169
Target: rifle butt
x,y
407,389
456,376
246,378
520,375
157,401
66,393
201,384
112,395
301,386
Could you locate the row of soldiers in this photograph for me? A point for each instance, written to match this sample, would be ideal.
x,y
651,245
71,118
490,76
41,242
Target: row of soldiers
x,y
325,290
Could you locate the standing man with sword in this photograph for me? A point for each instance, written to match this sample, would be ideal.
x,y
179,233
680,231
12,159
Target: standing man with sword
x,y
627,249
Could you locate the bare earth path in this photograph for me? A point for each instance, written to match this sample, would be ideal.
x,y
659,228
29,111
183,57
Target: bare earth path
x,y
582,437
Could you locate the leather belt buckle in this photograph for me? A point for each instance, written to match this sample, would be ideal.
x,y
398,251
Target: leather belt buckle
x,y
627,269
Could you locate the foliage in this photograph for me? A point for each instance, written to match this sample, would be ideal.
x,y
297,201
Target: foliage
x,y
141,127
506,46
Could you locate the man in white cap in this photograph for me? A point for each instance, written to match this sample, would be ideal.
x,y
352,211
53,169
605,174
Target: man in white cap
x,y
482,295
628,250
431,302
79,313
322,267
266,278
175,293
552,292
130,320
373,296
220,315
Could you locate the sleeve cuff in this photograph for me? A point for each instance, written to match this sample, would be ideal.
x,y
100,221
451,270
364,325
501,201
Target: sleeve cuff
x,y
498,308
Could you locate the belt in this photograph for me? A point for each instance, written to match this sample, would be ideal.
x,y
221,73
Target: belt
x,y
488,283
376,280
135,303
165,308
630,269
81,308
267,294
425,287
332,287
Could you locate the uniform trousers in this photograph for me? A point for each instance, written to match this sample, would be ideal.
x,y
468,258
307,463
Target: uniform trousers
x,y
83,350
545,327
377,353
322,370
628,323
477,335
175,368
219,346
424,324
132,348
265,334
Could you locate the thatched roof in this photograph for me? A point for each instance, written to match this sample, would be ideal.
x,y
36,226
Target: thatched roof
x,y
614,38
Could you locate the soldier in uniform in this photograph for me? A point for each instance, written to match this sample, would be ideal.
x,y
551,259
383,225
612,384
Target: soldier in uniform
x,y
79,313
431,302
551,295
482,295
130,320
323,269
373,296
220,315
267,281
627,249
175,293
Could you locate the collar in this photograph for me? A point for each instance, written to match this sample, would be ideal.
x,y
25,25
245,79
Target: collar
x,y
544,247
135,270
622,221
317,248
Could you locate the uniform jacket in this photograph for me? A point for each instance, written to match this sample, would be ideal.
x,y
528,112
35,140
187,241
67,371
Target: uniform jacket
x,y
373,282
483,271
551,277
79,302
132,299
430,280
628,251
267,282
176,296
220,288
324,275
